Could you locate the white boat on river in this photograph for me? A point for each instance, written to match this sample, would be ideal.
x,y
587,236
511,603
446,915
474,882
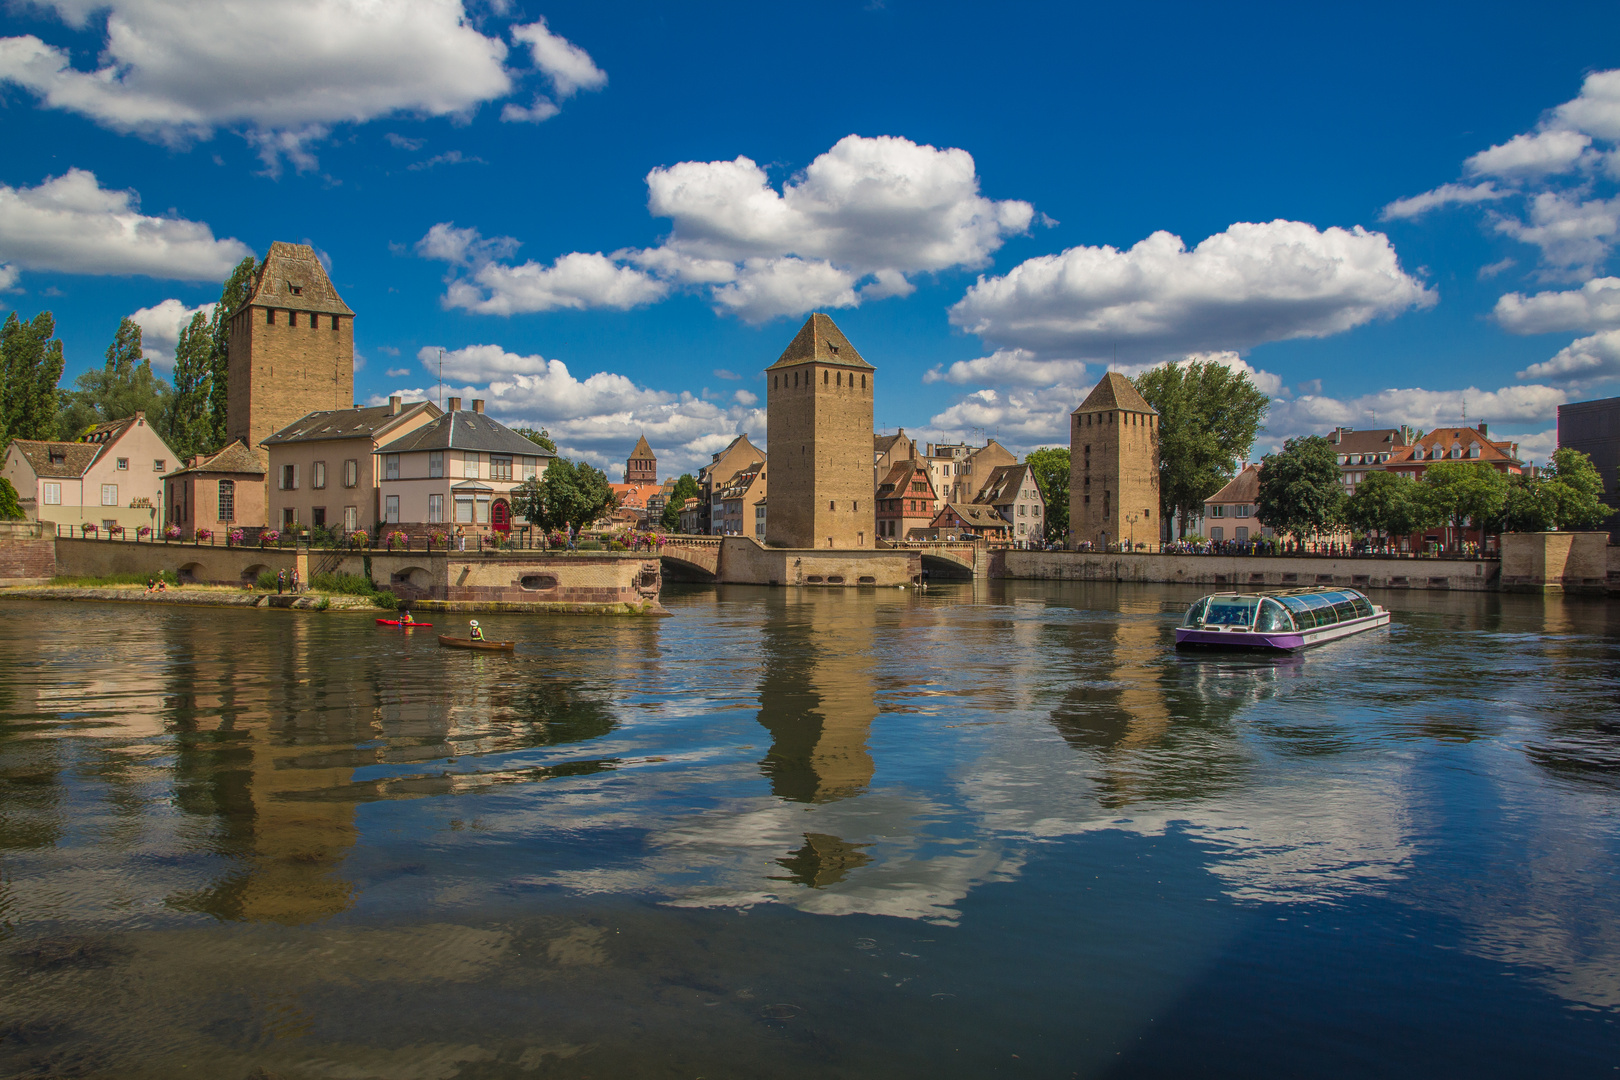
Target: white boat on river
x,y
1277,621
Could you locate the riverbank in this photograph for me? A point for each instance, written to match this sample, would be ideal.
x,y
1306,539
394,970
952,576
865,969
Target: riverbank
x,y
192,596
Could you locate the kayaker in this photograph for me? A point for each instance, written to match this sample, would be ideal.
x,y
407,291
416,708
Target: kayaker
x,y
477,631
405,617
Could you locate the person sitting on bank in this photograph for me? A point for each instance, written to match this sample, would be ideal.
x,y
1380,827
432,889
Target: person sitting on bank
x,y
150,585
477,631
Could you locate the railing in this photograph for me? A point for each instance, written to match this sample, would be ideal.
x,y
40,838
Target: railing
x,y
365,543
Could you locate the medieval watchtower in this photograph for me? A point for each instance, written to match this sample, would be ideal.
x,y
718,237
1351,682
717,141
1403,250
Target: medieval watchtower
x,y
291,348
642,465
819,414
1113,466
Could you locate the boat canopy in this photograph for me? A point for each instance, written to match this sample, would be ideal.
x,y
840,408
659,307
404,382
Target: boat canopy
x,y
1305,609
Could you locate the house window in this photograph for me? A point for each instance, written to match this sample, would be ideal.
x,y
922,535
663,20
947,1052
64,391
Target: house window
x,y
435,508
464,511
500,468
1241,532
123,464
530,468
227,500
53,494
159,464
319,479
483,509
318,517
288,473
109,494
351,518
391,508
351,473
390,466
1217,534
289,518
270,316
1217,511
469,466
435,464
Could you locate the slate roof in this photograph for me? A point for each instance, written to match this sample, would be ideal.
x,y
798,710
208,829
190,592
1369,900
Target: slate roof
x,y
466,430
295,266
1004,485
77,457
366,423
237,457
882,444
1115,392
819,340
975,515
1372,441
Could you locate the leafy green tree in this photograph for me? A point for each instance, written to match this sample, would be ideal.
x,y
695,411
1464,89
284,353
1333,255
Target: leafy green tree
x,y
1300,490
10,506
1388,504
1050,467
188,426
567,493
1208,418
1580,490
1528,505
541,437
122,387
30,368
686,487
232,295
1461,491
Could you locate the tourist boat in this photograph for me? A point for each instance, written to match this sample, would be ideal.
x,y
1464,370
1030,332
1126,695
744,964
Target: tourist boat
x,y
468,643
401,622
1278,621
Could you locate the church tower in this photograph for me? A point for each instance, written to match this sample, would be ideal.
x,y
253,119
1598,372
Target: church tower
x,y
818,412
642,466
1113,466
291,348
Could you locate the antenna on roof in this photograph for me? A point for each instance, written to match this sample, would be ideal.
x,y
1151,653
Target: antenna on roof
x,y
441,378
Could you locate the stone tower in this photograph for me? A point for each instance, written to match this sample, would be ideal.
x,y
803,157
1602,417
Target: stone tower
x,y
1113,466
642,467
291,347
819,415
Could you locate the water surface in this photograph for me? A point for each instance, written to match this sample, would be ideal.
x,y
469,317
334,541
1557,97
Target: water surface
x,y
990,830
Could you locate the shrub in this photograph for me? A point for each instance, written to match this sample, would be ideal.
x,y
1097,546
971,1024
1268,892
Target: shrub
x,y
83,582
10,505
323,604
589,545
267,580
385,600
617,545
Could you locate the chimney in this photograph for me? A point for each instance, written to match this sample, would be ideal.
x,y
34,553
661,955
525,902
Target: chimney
x,y
478,405
1482,433
394,405
454,404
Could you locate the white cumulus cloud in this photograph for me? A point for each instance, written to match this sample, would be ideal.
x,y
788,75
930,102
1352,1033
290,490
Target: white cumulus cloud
x,y
1593,306
1009,367
569,67
576,280
1251,284
1530,155
71,224
1574,233
1445,195
1584,362
161,325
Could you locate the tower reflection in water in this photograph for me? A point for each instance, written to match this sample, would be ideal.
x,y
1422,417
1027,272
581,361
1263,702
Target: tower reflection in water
x,y
818,701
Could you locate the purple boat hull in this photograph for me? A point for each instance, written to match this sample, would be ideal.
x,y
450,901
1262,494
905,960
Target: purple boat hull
x,y
1216,639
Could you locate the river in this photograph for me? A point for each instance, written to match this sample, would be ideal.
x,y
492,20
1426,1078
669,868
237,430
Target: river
x,y
992,830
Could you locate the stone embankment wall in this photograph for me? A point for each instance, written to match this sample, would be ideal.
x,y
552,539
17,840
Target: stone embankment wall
x,y
1248,571
1559,562
745,561
27,553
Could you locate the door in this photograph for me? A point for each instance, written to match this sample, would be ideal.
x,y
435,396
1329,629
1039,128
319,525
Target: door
x,y
500,518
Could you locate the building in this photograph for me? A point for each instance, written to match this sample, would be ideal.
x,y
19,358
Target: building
x,y
960,521
457,469
887,452
738,456
1113,466
660,499
220,491
1593,428
111,478
631,508
324,467
740,501
819,411
642,466
691,517
1012,492
1229,513
1361,452
291,349
905,501
959,470
1455,444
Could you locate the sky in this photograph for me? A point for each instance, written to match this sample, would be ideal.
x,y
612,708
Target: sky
x,y
611,217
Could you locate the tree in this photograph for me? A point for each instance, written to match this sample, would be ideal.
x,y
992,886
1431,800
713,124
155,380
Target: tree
x,y
539,438
1208,417
1300,490
30,368
188,426
232,295
10,506
123,386
685,488
567,493
1461,491
1386,503
1579,490
1528,505
1050,467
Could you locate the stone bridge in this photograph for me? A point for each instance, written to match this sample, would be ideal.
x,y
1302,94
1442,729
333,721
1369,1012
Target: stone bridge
x,y
691,558
949,558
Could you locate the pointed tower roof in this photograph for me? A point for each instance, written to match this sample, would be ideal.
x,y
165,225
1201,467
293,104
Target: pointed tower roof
x,y
820,341
1115,392
642,450
292,276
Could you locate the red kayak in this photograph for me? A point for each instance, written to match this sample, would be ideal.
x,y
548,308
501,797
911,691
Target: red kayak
x,y
396,622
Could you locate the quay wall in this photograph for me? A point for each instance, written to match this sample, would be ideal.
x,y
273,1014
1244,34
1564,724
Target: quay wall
x,y
1559,562
1248,571
27,553
745,561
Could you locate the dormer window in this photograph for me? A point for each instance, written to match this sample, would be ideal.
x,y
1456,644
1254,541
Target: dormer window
x,y
296,290
58,457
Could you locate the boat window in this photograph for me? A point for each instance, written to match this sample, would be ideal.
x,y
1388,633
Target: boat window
x,y
1231,610
1273,616
1345,609
1195,614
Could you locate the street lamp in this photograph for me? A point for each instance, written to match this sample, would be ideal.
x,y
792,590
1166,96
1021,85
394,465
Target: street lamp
x,y
1133,519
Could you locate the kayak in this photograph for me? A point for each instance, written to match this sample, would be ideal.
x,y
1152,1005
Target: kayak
x,y
467,643
397,622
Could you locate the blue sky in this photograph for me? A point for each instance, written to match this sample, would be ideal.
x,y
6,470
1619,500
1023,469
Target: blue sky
x,y
605,212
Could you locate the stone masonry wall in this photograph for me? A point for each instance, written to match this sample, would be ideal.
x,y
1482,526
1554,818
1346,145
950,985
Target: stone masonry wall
x,y
27,553
1247,571
280,372
821,457
744,561
1123,472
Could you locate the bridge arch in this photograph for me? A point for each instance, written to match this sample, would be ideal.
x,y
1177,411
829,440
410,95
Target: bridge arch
x,y
676,568
939,564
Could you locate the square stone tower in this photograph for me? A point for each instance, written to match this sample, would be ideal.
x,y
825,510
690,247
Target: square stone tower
x,y
291,349
819,414
1113,466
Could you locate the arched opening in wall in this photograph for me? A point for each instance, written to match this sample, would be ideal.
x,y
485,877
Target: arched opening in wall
x,y
500,516
538,582
413,582
187,574
251,574
866,579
